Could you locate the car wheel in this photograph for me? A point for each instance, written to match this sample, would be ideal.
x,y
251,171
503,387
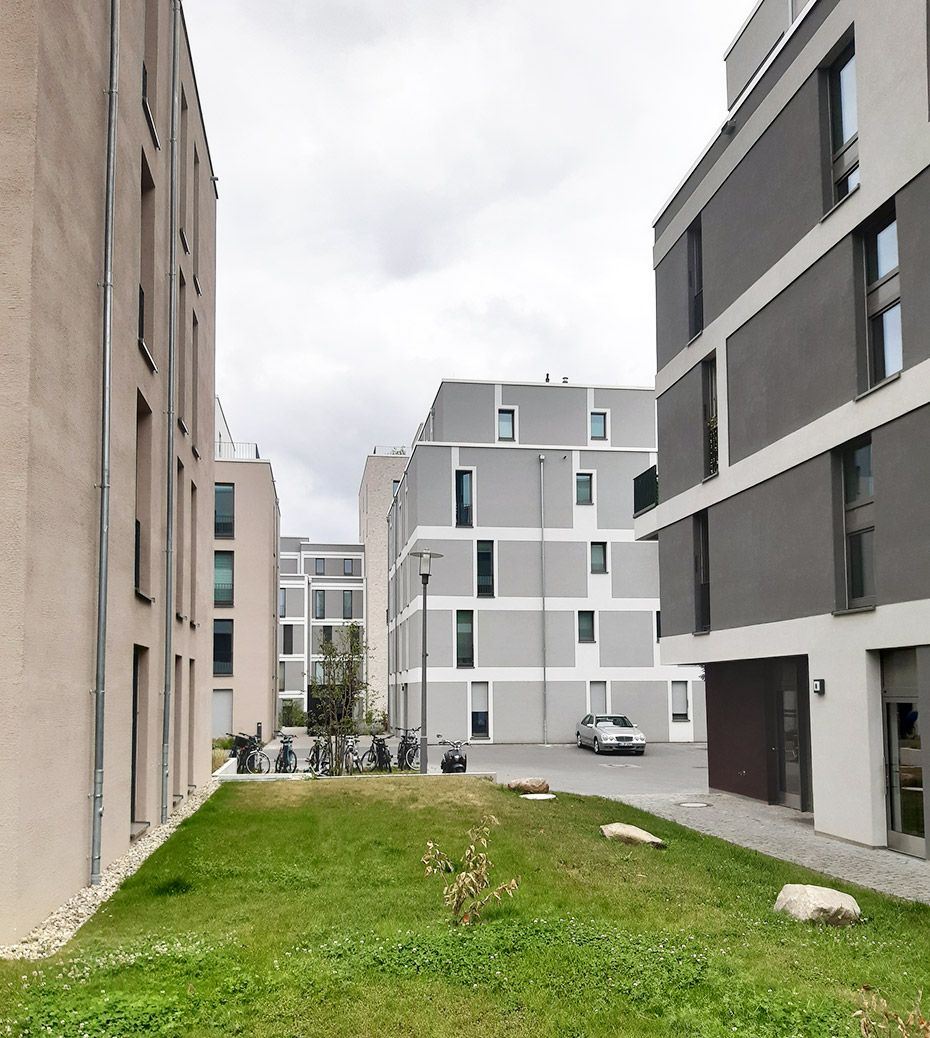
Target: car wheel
x,y
597,745
578,739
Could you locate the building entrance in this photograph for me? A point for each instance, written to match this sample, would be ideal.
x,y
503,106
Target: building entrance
x,y
791,728
903,764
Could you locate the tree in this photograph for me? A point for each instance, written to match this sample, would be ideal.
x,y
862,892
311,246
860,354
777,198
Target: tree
x,y
334,701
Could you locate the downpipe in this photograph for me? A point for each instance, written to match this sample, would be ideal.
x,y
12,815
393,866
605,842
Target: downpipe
x,y
542,577
172,389
103,548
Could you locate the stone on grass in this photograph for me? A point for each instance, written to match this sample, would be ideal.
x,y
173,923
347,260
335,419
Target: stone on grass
x,y
804,901
630,834
529,785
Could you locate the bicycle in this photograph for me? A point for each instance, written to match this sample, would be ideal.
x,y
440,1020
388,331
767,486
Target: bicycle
x,y
378,756
408,749
286,761
351,761
318,760
250,758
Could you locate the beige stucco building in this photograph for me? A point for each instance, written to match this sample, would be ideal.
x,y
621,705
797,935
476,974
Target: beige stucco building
x,y
149,471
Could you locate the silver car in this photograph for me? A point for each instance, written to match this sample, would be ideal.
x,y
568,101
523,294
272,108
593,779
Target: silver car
x,y
606,732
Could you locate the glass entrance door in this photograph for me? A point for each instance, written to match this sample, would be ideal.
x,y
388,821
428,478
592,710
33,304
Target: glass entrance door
x,y
905,777
791,726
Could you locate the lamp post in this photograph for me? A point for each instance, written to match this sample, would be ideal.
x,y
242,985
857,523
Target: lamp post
x,y
426,556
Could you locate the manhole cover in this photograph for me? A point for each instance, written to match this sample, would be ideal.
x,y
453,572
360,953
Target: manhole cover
x,y
693,803
537,796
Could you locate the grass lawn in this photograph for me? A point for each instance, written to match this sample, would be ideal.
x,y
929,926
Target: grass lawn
x,y
300,909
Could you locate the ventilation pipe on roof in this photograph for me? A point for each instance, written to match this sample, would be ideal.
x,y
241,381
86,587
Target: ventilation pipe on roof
x,y
103,551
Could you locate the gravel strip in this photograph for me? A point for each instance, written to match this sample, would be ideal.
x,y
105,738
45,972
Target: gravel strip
x,y
64,922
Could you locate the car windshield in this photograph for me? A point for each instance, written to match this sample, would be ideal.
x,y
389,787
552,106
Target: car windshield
x,y
613,721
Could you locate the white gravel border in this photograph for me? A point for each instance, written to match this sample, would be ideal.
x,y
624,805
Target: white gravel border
x,y
64,922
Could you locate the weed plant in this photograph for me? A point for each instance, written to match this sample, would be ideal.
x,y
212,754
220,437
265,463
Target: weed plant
x,y
297,910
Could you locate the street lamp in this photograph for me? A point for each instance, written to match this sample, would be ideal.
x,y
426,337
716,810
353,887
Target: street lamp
x,y
426,556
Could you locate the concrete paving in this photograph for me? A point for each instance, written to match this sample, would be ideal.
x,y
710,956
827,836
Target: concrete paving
x,y
672,776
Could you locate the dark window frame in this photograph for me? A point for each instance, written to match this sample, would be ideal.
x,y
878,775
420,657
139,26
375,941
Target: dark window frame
x,y
702,611
711,437
501,411
484,579
695,241
603,567
583,636
843,164
579,476
348,567
230,598
319,604
464,639
346,604
858,528
464,511
319,567
882,298
222,666
224,526
591,417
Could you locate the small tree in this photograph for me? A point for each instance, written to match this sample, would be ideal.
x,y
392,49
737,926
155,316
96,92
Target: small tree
x,y
334,701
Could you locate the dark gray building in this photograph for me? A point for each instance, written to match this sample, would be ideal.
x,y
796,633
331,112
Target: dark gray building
x,y
794,418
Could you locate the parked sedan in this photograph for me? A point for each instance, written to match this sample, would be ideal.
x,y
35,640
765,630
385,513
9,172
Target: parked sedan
x,y
606,732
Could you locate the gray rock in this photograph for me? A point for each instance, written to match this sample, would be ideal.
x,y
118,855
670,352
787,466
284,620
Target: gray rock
x,y
804,901
529,785
630,834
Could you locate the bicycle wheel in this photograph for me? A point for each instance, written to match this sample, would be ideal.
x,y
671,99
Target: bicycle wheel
x,y
369,760
412,758
259,763
290,764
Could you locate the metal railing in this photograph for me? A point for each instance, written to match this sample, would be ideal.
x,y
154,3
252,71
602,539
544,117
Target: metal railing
x,y
645,491
227,450
224,525
485,586
222,666
222,594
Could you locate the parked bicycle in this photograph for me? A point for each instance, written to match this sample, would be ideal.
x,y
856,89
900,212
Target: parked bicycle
x,y
351,761
318,760
408,749
286,761
250,758
378,756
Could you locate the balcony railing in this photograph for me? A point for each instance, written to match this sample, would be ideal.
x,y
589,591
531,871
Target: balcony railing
x,y
711,462
702,606
645,491
485,586
223,525
222,666
223,594
226,450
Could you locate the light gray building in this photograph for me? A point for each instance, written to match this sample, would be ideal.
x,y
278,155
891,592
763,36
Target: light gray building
x,y
794,418
542,608
322,592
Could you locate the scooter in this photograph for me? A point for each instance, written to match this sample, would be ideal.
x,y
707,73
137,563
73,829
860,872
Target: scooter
x,y
454,762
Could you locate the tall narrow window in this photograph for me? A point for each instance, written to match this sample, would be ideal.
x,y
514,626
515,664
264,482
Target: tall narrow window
x,y
584,488
701,573
844,125
319,605
287,640
598,425
346,605
883,302
480,701
319,567
282,602
680,710
195,376
464,638
585,625
859,523
222,646
223,578
709,377
192,616
485,569
599,557
224,521
347,567
463,497
147,265
143,521
695,279
180,547
505,425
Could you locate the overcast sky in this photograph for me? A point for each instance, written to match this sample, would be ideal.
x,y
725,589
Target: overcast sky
x,y
413,190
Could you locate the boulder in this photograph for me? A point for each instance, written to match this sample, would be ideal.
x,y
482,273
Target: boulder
x,y
805,901
529,785
630,834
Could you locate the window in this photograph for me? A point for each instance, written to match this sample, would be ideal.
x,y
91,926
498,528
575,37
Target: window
x,y
346,605
485,569
463,497
480,728
598,425
224,524
883,301
223,578
701,573
859,523
584,492
585,625
287,641
327,635
709,378
319,605
599,557
318,671
695,279
464,638
505,425
395,483
347,567
844,125
282,602
680,701
319,567
222,646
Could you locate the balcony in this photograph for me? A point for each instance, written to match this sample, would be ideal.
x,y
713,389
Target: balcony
x,y
226,450
645,491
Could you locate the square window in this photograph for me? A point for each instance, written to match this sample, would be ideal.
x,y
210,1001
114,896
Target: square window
x,y
599,557
584,488
598,425
319,567
505,425
586,625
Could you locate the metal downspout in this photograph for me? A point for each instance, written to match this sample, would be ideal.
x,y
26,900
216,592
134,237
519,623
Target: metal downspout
x,y
542,575
172,386
103,551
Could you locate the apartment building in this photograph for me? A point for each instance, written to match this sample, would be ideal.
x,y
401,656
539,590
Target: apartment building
x,y
794,418
542,608
322,592
106,416
246,532
381,477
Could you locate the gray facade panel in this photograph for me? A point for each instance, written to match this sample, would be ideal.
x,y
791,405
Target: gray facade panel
x,y
912,208
557,414
506,486
676,577
518,711
358,606
294,602
613,486
626,639
646,705
699,711
294,678
672,302
447,712
633,569
464,413
565,707
681,435
765,28
289,566
429,495
559,481
901,463
796,359
518,569
771,550
561,637
453,574
508,638
632,416
566,569
767,204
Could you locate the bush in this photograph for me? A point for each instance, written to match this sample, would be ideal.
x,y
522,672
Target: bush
x,y
293,714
